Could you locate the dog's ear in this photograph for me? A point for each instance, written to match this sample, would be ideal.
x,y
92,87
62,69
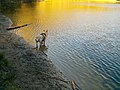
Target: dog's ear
x,y
46,31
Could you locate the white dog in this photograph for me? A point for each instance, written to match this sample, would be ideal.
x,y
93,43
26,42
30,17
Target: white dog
x,y
40,39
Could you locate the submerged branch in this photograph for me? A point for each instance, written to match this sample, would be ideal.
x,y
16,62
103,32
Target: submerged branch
x,y
12,28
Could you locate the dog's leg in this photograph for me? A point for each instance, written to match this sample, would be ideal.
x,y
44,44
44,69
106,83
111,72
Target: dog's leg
x,y
44,43
39,45
36,44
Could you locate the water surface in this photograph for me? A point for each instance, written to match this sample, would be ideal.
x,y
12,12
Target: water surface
x,y
83,40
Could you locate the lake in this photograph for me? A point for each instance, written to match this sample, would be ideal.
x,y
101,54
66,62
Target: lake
x,y
83,38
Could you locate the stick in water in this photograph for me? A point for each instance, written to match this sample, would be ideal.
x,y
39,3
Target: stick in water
x,y
12,28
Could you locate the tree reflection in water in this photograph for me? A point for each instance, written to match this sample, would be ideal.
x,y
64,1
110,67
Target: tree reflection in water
x,y
11,5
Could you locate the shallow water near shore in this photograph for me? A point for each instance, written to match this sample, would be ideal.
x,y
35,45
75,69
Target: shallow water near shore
x,y
83,39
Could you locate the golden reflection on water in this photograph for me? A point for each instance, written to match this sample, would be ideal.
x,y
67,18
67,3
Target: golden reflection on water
x,y
46,14
55,15
103,1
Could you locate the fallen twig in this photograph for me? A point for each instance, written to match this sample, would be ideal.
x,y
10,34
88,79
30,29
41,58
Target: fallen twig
x,y
72,83
12,28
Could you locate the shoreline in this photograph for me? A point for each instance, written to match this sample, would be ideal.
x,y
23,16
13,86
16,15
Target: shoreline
x,y
32,68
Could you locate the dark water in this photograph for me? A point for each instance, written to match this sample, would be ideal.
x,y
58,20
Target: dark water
x,y
83,39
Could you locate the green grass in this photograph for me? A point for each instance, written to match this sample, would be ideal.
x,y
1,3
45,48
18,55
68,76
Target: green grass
x,y
7,75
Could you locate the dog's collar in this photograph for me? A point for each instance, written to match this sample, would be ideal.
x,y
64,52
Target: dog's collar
x,y
43,34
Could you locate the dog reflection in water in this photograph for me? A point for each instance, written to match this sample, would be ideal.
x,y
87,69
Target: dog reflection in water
x,y
40,39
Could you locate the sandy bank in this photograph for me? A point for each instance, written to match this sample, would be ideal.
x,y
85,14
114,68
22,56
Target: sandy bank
x,y
33,70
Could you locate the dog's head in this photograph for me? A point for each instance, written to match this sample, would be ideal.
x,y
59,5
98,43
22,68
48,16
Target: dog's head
x,y
45,31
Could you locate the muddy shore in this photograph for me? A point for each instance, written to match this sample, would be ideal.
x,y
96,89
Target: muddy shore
x,y
32,68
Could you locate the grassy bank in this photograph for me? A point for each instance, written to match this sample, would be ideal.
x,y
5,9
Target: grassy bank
x,y
7,75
